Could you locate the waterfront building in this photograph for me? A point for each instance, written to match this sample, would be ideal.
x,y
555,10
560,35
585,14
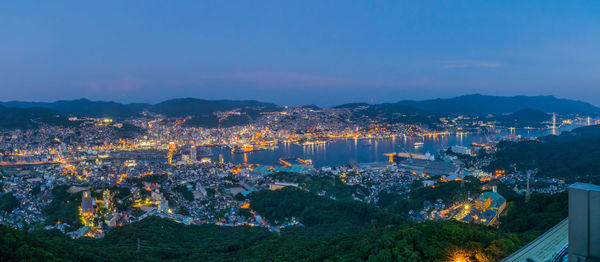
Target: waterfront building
x,y
461,150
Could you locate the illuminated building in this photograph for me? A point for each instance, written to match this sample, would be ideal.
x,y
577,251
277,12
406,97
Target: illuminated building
x,y
193,154
491,205
107,200
461,150
499,172
87,203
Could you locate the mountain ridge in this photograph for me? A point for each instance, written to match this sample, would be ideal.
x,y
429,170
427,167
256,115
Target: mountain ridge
x,y
472,105
481,105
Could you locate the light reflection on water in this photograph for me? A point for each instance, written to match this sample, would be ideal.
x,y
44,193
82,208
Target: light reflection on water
x,y
344,151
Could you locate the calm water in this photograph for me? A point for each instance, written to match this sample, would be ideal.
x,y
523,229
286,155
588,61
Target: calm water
x,y
344,151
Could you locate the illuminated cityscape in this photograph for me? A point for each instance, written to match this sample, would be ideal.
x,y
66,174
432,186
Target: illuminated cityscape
x,y
300,131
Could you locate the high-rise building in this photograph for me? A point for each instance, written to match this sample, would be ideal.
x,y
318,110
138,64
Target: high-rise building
x,y
193,154
87,203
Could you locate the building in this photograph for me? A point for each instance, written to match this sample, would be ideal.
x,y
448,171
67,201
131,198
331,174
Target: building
x,y
87,203
262,170
461,150
302,169
406,155
193,154
280,185
584,222
428,167
107,199
577,238
491,205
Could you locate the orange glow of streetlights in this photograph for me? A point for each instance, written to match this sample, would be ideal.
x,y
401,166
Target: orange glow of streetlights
x,y
459,256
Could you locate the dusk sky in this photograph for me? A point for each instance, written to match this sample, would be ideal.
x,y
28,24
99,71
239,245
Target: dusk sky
x,y
298,52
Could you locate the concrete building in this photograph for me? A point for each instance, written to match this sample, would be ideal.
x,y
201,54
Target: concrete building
x,y
584,222
461,150
193,154
576,238
427,167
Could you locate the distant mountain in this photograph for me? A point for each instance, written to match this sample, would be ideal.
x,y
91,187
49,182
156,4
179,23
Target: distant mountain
x,y
22,104
312,106
352,105
408,110
182,107
524,117
391,113
202,111
481,105
24,118
139,107
80,107
85,107
172,108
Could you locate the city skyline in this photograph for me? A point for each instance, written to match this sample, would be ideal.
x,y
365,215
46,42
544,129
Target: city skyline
x,y
335,130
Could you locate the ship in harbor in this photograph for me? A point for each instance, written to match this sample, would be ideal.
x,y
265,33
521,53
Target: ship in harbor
x,y
418,144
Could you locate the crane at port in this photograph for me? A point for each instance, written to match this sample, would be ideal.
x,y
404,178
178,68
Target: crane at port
x,y
285,163
306,162
391,156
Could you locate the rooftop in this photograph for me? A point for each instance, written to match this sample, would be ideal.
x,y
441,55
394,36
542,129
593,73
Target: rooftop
x,y
544,248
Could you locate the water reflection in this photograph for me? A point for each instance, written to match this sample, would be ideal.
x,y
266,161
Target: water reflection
x,y
344,151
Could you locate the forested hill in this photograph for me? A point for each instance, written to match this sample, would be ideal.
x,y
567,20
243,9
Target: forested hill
x,y
372,237
163,240
191,106
524,118
391,113
571,155
404,110
80,107
24,118
481,105
203,111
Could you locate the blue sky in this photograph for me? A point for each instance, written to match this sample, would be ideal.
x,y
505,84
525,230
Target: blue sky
x,y
298,52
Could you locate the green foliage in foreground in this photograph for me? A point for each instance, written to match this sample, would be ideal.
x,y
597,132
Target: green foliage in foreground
x,y
330,184
64,207
313,210
335,231
188,195
448,192
166,240
541,213
8,202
